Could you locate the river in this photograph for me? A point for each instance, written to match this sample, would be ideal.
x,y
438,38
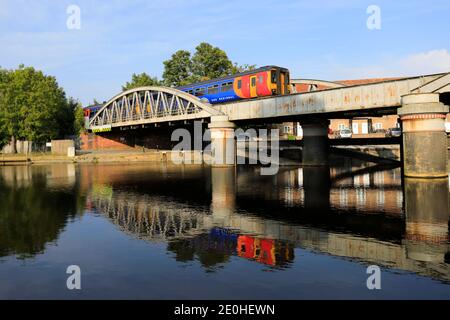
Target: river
x,y
147,231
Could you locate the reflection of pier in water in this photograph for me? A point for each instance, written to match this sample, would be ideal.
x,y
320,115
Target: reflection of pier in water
x,y
367,190
423,251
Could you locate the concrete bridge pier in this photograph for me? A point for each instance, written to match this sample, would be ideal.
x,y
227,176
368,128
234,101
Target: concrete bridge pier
x,y
223,143
315,143
424,137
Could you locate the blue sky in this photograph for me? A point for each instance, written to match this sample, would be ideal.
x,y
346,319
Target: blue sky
x,y
316,39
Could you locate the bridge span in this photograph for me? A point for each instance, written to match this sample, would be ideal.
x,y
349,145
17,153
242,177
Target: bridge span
x,y
421,102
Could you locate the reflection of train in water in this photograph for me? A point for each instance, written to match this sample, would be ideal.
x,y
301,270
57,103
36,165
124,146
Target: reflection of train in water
x,y
266,251
218,243
262,82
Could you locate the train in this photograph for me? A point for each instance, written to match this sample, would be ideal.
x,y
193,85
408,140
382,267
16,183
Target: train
x,y
90,111
262,82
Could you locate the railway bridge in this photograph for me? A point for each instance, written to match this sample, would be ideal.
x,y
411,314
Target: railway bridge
x,y
421,102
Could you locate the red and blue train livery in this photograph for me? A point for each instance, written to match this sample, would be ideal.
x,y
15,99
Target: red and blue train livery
x,y
90,111
262,82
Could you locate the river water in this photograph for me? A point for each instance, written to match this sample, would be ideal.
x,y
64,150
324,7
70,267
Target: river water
x,y
142,231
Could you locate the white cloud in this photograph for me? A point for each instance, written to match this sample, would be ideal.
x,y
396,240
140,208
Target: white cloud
x,y
423,63
434,61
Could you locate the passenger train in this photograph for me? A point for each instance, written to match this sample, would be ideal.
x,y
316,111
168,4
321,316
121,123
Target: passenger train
x,y
90,111
262,82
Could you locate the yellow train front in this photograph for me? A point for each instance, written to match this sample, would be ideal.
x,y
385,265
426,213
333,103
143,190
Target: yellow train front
x,y
262,82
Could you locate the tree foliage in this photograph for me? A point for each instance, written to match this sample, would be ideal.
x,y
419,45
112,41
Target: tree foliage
x,y
33,107
141,80
178,69
71,118
208,62
78,124
4,79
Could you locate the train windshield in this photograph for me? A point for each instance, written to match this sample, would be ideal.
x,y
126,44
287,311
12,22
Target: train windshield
x,y
274,76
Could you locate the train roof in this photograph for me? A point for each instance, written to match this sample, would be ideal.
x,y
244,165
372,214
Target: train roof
x,y
265,68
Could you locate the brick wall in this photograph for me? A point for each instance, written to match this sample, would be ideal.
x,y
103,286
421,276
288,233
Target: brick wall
x,y
149,138
92,141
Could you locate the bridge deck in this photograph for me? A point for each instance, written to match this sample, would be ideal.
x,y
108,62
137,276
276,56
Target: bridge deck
x,y
337,102
148,105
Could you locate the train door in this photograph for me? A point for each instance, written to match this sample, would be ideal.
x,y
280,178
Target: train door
x,y
287,88
253,93
283,83
278,81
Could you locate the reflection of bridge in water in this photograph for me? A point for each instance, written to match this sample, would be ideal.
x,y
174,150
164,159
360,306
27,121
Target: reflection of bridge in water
x,y
423,249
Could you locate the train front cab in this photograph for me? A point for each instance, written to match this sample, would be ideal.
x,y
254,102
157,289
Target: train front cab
x,y
263,83
280,81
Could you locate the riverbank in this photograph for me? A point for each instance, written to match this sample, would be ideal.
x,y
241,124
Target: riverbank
x,y
287,156
101,157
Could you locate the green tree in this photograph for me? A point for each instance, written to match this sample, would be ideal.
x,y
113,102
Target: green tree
x,y
141,80
210,62
4,79
178,69
33,107
41,105
71,118
79,119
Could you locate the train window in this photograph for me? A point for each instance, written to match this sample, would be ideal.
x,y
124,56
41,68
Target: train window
x,y
213,89
274,76
254,82
200,92
261,79
228,86
239,84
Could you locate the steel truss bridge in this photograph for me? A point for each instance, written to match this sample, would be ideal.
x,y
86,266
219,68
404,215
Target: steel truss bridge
x,y
150,105
147,105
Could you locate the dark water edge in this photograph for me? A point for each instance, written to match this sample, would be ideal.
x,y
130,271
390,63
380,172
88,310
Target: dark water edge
x,y
146,231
